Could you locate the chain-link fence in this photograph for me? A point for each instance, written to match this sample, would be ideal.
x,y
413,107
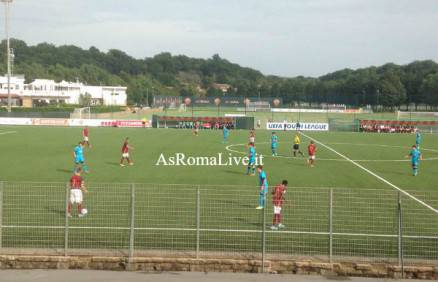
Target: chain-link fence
x,y
330,224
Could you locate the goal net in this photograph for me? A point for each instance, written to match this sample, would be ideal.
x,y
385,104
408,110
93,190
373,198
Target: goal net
x,y
182,108
256,106
81,113
401,115
260,106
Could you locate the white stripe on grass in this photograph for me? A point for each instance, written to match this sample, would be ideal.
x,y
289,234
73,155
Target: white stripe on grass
x,y
222,231
228,148
381,145
372,173
7,132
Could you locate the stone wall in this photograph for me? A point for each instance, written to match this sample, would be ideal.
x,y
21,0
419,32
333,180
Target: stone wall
x,y
157,264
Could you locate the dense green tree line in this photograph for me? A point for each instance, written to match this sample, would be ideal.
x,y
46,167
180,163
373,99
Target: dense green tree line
x,y
389,85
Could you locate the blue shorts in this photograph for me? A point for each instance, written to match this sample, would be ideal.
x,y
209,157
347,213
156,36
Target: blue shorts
x,y
414,164
79,160
251,161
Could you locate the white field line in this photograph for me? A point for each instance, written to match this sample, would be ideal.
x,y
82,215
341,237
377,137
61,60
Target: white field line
x,y
228,148
167,185
222,230
373,174
380,145
7,132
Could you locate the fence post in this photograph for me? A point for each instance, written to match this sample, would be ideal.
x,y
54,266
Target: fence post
x,y
67,193
400,234
330,225
198,219
264,236
132,222
1,212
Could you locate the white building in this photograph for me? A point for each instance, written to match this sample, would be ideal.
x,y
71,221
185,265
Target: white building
x,y
45,91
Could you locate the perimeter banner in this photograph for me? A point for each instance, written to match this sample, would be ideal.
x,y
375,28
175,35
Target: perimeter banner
x,y
16,121
75,122
304,126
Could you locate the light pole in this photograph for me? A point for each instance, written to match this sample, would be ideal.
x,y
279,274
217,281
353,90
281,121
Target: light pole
x,y
8,51
377,104
153,95
147,97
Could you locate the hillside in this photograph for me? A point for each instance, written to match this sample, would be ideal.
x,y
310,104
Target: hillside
x,y
165,74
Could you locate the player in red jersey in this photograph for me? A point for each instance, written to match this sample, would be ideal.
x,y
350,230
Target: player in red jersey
x,y
85,135
251,137
196,128
311,150
77,186
277,201
125,153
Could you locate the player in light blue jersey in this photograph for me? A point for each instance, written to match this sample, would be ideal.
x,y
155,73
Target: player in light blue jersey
x,y
263,182
252,160
415,156
78,154
274,144
226,133
418,139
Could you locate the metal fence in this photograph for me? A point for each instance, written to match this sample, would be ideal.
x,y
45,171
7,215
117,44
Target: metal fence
x,y
330,224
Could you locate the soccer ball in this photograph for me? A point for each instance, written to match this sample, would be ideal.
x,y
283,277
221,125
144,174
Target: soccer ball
x,y
84,211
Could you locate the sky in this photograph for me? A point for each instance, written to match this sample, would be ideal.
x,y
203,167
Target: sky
x,y
277,37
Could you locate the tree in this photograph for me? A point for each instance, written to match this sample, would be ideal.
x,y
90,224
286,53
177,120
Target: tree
x,y
181,75
413,77
85,100
429,89
213,92
393,93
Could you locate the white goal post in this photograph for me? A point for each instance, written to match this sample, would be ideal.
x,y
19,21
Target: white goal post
x,y
416,115
81,113
182,108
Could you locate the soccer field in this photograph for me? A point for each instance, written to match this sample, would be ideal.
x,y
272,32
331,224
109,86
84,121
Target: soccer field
x,y
45,154
166,215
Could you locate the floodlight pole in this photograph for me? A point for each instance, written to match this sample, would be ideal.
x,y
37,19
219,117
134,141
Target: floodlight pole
x,y
8,50
147,97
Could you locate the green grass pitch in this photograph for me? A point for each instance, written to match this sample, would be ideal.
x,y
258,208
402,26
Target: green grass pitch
x,y
44,154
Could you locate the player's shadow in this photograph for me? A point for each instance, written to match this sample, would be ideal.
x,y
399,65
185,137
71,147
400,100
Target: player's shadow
x,y
112,163
64,170
55,211
234,172
245,221
232,203
396,172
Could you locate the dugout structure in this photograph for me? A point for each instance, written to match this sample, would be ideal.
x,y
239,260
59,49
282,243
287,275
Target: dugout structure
x,y
203,122
398,126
